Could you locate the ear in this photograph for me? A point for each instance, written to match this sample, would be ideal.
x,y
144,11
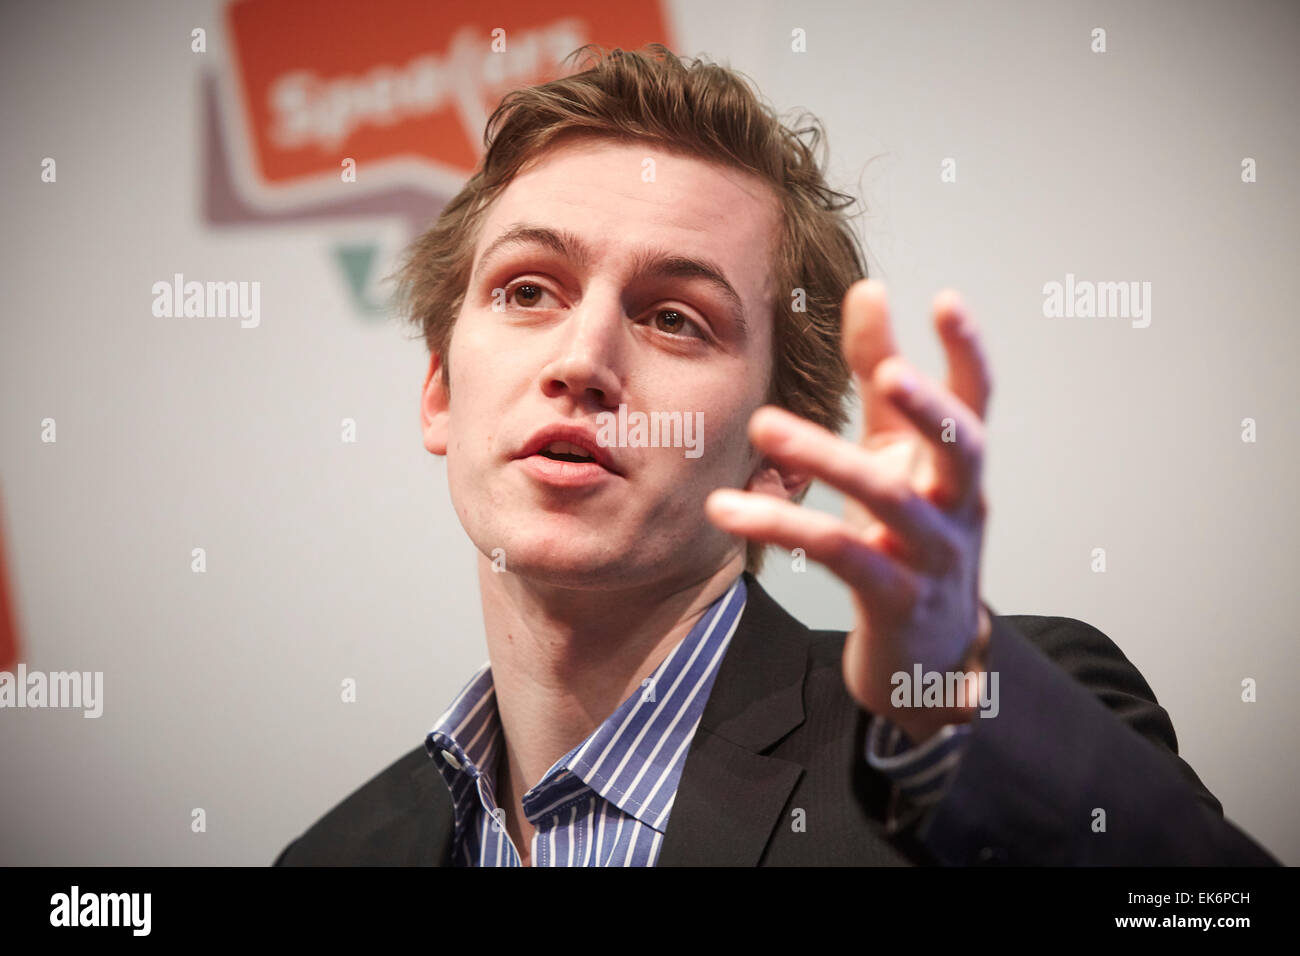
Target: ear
x,y
778,481
435,408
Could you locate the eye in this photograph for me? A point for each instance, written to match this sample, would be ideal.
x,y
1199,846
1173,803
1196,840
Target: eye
x,y
527,294
673,322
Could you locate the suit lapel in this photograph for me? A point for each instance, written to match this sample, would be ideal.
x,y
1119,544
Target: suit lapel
x,y
731,796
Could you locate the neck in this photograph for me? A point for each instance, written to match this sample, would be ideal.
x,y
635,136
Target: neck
x,y
564,659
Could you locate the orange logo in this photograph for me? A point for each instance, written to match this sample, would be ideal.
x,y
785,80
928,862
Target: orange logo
x,y
401,87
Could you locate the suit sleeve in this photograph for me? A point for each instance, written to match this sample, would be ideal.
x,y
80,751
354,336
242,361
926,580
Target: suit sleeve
x,y
280,860
1079,767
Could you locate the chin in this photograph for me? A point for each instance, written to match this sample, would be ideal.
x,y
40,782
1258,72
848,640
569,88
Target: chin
x,y
568,561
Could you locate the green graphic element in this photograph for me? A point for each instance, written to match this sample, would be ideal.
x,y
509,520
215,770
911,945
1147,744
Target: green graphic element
x,y
357,262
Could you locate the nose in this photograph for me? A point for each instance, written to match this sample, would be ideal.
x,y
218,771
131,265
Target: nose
x,y
587,362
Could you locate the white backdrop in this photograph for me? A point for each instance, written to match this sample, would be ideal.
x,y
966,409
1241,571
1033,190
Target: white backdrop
x,y
328,561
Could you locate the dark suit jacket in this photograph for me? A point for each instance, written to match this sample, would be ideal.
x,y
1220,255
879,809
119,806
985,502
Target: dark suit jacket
x,y
1078,729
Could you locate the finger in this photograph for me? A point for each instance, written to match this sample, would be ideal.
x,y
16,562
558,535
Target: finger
x,y
968,369
954,432
868,339
881,582
806,447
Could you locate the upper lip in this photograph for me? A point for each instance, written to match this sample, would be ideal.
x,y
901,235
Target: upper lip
x,y
581,435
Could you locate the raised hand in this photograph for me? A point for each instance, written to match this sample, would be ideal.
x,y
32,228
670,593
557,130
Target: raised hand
x,y
909,544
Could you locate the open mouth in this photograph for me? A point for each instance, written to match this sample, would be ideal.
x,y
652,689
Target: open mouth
x,y
565,451
568,455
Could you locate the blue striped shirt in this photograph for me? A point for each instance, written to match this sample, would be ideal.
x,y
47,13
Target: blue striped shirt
x,y
921,774
607,801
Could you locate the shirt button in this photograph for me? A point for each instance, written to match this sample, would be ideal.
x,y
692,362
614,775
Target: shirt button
x,y
448,756
993,854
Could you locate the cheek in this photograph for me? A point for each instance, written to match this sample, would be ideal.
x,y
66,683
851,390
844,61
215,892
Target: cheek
x,y
735,455
479,378
727,459
470,426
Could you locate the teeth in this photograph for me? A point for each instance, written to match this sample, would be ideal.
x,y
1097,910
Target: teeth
x,y
567,448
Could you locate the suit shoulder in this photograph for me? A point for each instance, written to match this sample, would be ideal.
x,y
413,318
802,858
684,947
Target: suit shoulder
x,y
1097,662
365,827
1079,649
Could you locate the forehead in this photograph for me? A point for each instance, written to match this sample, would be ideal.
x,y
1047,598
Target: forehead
x,y
627,197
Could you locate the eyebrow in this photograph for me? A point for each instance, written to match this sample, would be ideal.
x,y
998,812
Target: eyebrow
x,y
651,264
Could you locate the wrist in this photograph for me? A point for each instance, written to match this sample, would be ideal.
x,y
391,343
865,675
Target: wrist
x,y
921,725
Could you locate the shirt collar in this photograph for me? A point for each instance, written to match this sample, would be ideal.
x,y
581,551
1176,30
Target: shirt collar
x,y
633,759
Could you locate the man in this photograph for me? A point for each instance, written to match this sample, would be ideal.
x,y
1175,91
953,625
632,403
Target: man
x,y
645,238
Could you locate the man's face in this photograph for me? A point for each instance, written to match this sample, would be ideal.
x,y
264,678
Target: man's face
x,y
600,280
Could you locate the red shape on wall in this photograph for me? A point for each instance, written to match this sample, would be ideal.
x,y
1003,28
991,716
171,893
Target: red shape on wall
x,y
8,617
402,79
